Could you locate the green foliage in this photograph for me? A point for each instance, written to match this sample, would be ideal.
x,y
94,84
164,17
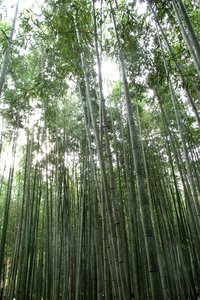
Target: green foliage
x,y
4,36
75,216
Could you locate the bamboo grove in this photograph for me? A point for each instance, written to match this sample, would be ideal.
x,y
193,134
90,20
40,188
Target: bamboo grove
x,y
99,174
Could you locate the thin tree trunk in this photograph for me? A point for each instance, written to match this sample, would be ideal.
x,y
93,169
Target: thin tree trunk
x,y
156,288
7,51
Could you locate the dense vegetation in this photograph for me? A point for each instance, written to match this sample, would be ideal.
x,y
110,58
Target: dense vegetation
x,y
99,170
